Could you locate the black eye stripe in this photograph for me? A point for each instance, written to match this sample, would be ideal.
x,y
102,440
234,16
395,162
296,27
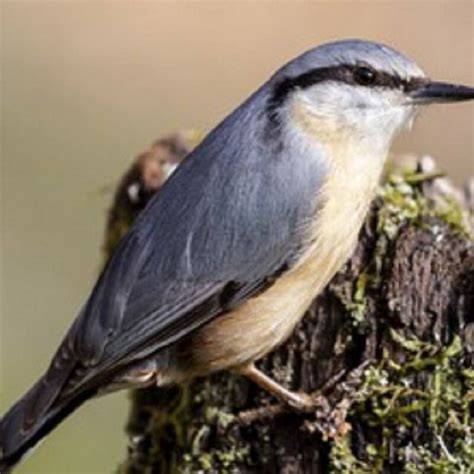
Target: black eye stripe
x,y
345,73
342,73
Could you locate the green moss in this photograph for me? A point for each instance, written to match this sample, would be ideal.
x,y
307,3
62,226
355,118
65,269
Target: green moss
x,y
404,201
343,461
227,453
219,417
452,213
358,305
388,400
209,428
282,370
353,299
215,460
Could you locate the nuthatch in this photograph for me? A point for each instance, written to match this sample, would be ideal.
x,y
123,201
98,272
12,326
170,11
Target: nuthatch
x,y
227,257
142,180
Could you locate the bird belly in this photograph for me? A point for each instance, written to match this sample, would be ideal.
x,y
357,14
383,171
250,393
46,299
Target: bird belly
x,y
262,323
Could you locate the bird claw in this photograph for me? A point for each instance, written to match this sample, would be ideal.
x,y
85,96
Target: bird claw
x,y
304,402
300,401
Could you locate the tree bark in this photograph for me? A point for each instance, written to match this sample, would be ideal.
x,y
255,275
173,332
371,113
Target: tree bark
x,y
387,348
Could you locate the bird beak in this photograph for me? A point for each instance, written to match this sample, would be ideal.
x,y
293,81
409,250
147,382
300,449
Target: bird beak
x,y
441,92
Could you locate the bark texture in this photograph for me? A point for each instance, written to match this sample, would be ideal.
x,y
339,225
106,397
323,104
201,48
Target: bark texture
x,y
387,349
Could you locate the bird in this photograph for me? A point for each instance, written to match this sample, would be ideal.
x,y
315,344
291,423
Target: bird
x,y
225,259
143,179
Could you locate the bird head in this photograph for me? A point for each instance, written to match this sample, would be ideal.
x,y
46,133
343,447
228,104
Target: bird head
x,y
360,90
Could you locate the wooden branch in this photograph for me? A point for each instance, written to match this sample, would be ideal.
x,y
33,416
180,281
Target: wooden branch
x,y
387,350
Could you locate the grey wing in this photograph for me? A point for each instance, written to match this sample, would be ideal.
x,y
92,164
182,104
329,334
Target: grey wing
x,y
218,232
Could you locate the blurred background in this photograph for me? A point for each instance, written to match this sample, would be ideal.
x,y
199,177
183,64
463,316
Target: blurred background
x,y
85,86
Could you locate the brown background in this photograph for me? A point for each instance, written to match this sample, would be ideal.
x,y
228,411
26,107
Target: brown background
x,y
86,85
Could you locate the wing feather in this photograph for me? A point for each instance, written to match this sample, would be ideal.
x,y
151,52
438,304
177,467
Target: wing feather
x,y
218,232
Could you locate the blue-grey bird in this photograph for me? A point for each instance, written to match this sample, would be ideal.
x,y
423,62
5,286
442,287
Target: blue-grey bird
x,y
224,261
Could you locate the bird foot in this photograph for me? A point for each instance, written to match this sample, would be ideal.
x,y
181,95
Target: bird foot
x,y
298,401
305,402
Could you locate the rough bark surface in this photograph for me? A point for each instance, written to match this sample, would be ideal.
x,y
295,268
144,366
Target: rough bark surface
x,y
387,349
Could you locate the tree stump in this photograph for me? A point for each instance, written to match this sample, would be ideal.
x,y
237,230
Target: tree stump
x,y
388,348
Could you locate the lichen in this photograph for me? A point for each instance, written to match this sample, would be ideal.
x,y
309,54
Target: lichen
x,y
358,304
452,213
282,370
405,201
401,202
388,401
343,460
214,460
225,452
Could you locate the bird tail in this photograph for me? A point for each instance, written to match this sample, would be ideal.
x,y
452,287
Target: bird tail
x,y
18,435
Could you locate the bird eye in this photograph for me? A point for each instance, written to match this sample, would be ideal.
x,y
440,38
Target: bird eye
x,y
364,76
